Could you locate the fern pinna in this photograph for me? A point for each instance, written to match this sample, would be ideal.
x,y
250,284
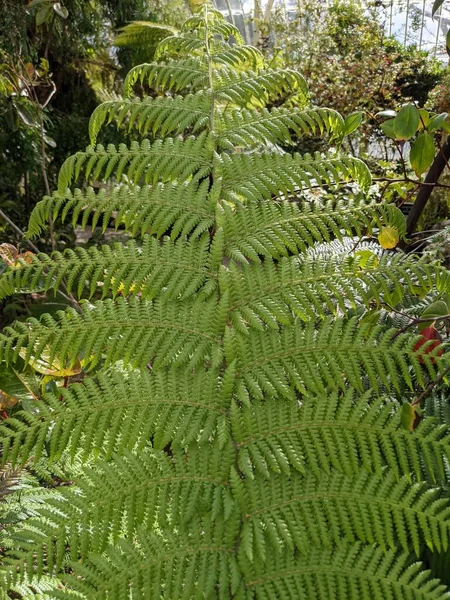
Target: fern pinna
x,y
238,428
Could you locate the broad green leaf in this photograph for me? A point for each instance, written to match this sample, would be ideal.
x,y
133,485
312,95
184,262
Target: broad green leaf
x,y
34,3
388,128
422,153
406,122
437,122
436,6
43,14
424,116
352,122
408,416
433,311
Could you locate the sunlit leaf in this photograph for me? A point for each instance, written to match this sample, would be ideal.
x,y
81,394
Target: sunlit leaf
x,y
437,122
408,416
388,128
406,122
352,122
388,237
422,153
42,364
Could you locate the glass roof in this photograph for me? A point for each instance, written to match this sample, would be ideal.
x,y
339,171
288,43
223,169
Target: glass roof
x,y
409,21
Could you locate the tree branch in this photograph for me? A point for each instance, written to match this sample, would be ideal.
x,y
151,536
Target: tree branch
x,y
425,189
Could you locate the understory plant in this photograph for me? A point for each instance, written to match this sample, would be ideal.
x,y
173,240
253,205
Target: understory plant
x,y
237,413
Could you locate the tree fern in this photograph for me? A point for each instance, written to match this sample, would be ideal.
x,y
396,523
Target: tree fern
x,y
229,419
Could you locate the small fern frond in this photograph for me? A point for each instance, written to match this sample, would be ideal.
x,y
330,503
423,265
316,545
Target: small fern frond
x,y
142,34
280,176
258,89
362,571
36,588
114,413
280,229
268,293
171,159
189,74
182,209
212,19
345,432
239,58
369,508
162,115
136,505
327,357
250,127
179,567
132,330
169,270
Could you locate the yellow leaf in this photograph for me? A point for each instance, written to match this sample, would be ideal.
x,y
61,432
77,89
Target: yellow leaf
x,y
7,401
388,237
42,364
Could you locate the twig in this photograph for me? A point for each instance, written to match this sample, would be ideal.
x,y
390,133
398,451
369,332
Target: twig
x,y
424,193
430,387
44,160
65,294
18,230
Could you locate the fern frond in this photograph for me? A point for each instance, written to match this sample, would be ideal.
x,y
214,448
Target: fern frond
x,y
437,407
231,430
268,293
326,357
239,58
138,493
169,160
250,127
214,22
132,330
334,431
162,115
174,45
276,175
279,229
258,89
370,508
116,413
189,74
169,270
362,571
41,588
182,209
178,567
142,34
